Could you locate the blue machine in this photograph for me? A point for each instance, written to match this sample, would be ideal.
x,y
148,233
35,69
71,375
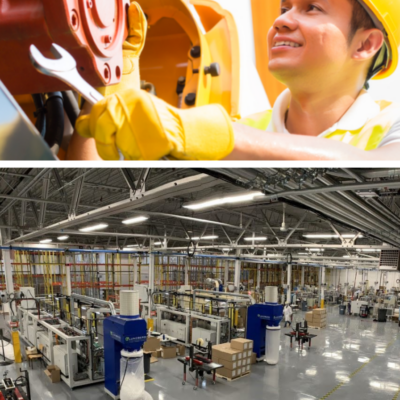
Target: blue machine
x,y
259,316
120,333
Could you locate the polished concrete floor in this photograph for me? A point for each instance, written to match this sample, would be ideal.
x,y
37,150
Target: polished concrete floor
x,y
351,359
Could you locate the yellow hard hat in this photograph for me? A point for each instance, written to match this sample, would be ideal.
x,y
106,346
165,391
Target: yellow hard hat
x,y
386,16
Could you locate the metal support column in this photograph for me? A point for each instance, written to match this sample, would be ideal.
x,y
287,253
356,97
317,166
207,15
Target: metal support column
x,y
8,271
187,261
347,281
258,276
289,284
323,287
302,276
226,273
151,266
135,271
237,272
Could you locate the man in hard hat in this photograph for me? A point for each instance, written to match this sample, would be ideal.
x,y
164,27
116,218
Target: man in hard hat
x,y
325,51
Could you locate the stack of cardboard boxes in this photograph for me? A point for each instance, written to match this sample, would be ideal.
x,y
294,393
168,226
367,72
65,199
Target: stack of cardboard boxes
x,y
316,318
235,356
153,345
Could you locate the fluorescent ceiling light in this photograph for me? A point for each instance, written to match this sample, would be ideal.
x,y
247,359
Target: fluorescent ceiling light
x,y
346,256
226,249
369,250
316,250
205,237
328,235
224,200
302,254
134,220
132,245
158,243
46,241
93,228
256,239
65,237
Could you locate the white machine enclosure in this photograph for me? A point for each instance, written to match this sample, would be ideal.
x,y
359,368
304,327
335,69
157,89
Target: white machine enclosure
x,y
61,360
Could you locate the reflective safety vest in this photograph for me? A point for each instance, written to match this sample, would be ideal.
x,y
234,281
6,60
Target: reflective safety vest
x,y
367,137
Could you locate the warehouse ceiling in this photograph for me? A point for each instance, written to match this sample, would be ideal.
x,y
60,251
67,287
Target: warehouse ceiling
x,y
362,204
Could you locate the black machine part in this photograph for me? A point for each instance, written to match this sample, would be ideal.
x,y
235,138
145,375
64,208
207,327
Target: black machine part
x,y
9,386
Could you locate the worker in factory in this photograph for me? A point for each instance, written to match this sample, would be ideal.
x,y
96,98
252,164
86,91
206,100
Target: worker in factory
x,y
288,312
324,51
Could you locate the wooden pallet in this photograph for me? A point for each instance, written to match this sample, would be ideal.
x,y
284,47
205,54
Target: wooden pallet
x,y
232,379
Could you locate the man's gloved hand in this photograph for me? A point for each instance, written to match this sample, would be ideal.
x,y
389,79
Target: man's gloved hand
x,y
144,127
131,50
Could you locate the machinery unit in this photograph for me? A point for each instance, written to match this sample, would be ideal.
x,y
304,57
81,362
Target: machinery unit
x,y
61,359
175,329
260,317
122,332
204,335
92,31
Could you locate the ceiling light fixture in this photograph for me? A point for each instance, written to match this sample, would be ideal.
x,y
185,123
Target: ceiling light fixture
x,y
369,250
65,237
224,200
316,250
134,220
205,237
328,235
93,228
256,239
46,241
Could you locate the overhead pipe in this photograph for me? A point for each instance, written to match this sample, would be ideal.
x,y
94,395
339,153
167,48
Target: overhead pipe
x,y
91,300
246,296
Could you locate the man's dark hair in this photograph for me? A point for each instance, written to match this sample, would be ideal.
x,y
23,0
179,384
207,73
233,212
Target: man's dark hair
x,y
360,19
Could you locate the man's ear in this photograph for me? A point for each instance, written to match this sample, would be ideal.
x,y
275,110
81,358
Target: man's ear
x,y
367,44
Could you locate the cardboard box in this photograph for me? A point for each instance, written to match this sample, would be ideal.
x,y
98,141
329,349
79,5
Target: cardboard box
x,y
224,353
247,361
228,373
168,352
319,311
240,356
31,352
253,358
53,373
152,344
156,354
227,364
242,344
181,350
309,316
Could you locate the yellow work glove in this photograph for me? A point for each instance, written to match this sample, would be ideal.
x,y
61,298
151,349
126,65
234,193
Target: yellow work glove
x,y
144,127
131,50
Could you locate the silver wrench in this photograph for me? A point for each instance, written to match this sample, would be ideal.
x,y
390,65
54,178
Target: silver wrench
x,y
64,68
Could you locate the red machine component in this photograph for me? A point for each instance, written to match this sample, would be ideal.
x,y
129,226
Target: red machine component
x,y
91,30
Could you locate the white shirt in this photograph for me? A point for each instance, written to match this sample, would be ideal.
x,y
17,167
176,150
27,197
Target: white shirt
x,y
362,110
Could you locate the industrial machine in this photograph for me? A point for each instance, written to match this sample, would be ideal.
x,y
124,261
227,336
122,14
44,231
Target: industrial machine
x,y
125,332
263,326
199,362
15,389
68,332
301,335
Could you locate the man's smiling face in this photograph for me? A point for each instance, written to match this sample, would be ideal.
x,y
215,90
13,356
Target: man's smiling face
x,y
310,39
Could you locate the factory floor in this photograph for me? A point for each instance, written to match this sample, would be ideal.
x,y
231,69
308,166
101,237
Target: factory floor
x,y
352,358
